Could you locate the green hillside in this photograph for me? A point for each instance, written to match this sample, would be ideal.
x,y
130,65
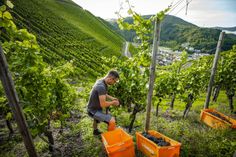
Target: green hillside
x,y
233,29
176,31
65,32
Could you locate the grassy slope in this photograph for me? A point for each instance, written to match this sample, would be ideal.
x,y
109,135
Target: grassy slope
x,y
199,103
191,132
67,32
195,136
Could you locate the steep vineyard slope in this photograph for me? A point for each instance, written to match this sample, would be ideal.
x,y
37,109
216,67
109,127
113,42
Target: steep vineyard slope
x,y
65,32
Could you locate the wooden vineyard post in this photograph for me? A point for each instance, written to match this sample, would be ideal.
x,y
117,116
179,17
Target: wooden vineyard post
x,y
156,41
13,100
213,70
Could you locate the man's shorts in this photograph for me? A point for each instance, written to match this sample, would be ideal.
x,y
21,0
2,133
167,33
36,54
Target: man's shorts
x,y
100,116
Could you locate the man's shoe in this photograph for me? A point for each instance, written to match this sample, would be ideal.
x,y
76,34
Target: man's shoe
x,y
96,132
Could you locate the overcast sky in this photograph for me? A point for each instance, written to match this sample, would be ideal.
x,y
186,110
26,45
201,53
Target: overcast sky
x,y
205,13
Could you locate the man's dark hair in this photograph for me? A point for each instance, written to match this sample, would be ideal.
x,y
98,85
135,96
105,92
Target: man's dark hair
x,y
114,74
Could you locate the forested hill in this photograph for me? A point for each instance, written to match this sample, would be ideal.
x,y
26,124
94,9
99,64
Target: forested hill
x,y
176,31
233,29
65,31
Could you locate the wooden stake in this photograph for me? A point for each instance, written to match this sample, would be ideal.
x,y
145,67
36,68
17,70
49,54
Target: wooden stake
x,y
13,99
156,41
214,68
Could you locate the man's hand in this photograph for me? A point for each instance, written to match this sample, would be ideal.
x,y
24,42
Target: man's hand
x,y
104,103
115,102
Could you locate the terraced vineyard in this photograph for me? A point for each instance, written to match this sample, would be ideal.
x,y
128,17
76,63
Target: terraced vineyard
x,y
67,32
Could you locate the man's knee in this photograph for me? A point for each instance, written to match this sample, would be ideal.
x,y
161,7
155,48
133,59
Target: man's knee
x,y
112,121
112,124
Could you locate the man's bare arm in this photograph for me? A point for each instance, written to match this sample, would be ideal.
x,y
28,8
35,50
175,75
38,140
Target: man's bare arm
x,y
104,103
111,97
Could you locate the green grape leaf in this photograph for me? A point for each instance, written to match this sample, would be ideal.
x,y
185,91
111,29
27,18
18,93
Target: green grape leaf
x,y
7,15
34,131
9,116
130,12
3,8
9,4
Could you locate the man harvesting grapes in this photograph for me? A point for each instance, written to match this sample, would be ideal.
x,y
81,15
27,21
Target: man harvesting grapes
x,y
100,99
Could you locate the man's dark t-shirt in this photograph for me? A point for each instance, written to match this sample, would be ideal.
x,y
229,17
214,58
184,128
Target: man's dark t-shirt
x,y
99,88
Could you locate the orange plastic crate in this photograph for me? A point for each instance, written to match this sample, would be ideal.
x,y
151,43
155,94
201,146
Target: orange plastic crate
x,y
118,143
151,149
216,122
